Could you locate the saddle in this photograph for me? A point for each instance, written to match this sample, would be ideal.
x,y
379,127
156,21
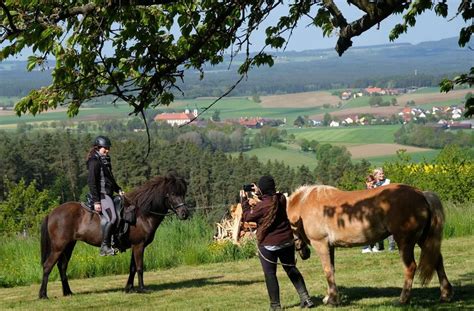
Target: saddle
x,y
126,217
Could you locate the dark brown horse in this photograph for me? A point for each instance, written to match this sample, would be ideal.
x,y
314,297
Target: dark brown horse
x,y
70,222
327,218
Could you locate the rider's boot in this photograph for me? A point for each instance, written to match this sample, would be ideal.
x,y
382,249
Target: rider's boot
x,y
300,286
105,249
273,291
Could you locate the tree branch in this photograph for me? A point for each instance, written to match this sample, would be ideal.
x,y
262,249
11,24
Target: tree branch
x,y
9,17
375,14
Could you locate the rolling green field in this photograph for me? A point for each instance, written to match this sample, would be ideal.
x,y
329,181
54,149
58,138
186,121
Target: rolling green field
x,y
352,135
365,281
416,157
295,157
291,156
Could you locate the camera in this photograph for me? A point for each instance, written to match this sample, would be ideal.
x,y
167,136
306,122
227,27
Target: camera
x,y
248,188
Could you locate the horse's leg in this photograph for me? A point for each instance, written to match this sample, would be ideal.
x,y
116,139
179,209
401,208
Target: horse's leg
x,y
138,251
131,276
62,266
47,267
445,287
406,249
326,254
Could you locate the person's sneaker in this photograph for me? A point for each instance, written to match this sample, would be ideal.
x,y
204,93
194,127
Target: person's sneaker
x,y
375,250
366,250
308,303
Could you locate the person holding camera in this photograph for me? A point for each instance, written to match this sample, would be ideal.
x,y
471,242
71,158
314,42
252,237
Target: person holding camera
x,y
274,237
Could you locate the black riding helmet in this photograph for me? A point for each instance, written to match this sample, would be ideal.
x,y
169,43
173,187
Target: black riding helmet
x,y
102,141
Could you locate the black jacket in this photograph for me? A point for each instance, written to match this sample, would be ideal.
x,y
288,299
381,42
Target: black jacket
x,y
280,231
95,165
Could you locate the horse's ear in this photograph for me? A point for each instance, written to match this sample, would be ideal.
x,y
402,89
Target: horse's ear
x,y
171,174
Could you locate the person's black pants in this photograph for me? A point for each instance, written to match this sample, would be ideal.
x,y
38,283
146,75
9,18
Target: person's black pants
x,y
286,255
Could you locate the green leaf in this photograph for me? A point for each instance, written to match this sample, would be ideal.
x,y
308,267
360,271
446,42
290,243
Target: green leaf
x,y
31,64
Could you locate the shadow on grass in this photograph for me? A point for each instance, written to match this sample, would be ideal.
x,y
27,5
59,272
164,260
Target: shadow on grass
x,y
190,283
420,297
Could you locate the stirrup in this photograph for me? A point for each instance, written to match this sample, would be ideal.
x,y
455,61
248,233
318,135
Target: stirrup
x,y
107,251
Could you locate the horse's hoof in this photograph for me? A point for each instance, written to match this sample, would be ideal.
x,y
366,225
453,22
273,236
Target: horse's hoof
x,y
129,289
67,294
446,295
444,299
401,302
331,300
43,297
143,291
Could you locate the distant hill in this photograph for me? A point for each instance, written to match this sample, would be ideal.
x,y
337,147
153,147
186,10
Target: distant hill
x,y
397,64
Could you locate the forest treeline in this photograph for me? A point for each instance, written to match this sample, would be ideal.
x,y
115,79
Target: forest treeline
x,y
40,169
282,79
434,137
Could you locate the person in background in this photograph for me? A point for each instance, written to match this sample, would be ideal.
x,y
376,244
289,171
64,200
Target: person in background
x,y
102,185
369,184
381,180
275,239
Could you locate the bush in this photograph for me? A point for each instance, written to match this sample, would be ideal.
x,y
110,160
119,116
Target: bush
x,y
449,175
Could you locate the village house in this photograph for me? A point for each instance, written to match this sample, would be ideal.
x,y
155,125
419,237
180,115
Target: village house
x,y
346,95
251,122
374,91
176,118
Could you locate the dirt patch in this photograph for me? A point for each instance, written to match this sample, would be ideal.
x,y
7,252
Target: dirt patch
x,y
376,150
7,113
429,98
299,100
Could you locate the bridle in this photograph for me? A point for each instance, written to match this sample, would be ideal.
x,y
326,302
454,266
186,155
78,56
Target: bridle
x,y
172,207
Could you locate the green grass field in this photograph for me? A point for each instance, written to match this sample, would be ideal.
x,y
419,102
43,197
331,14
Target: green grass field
x,y
416,157
365,281
292,157
352,135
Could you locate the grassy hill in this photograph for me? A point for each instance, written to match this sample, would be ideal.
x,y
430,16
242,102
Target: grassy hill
x,y
365,281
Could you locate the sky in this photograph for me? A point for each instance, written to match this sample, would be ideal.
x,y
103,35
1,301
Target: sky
x,y
429,27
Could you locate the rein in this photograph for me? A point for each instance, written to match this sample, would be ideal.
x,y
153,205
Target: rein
x,y
173,210
277,263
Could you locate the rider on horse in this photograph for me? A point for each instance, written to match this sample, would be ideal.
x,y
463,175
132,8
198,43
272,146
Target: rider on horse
x,y
102,185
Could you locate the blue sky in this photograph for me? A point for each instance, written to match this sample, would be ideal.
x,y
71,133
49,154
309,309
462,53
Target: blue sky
x,y
429,27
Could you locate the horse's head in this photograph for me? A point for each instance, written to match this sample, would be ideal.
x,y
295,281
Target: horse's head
x,y
177,204
175,195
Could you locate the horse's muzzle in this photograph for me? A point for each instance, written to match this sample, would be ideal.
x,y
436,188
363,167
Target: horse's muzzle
x,y
182,212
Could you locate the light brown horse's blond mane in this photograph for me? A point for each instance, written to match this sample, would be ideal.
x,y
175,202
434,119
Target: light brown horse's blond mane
x,y
303,192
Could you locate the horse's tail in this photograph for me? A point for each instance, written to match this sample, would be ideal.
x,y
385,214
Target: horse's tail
x,y
430,242
45,240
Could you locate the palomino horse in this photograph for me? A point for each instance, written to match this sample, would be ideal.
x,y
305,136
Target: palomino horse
x,y
71,222
327,218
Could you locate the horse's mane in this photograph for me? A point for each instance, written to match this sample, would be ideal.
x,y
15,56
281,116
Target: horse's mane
x,y
302,193
154,191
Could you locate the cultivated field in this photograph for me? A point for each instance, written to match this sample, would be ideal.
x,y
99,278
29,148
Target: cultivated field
x,y
433,97
366,281
376,150
299,100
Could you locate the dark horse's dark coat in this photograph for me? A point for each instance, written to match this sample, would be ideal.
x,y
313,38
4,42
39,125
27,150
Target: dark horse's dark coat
x,y
70,222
